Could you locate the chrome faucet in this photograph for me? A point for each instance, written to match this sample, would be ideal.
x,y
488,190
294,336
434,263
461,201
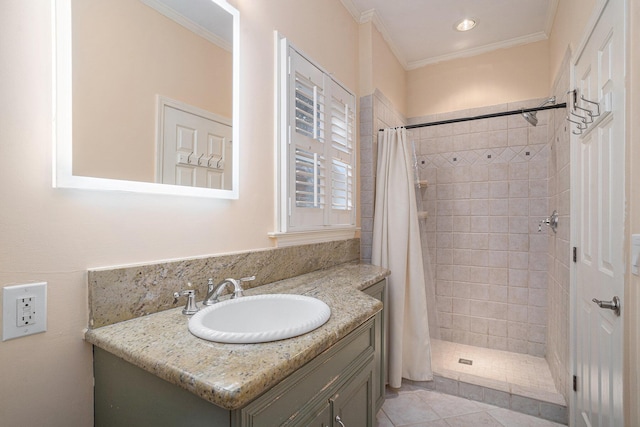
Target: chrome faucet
x,y
213,292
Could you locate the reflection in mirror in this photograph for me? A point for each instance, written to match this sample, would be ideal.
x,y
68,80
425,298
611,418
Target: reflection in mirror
x,y
153,99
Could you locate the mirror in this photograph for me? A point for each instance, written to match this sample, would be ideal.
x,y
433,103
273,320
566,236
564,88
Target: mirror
x,y
146,96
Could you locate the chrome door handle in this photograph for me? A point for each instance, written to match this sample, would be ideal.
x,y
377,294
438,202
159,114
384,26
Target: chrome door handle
x,y
339,420
611,305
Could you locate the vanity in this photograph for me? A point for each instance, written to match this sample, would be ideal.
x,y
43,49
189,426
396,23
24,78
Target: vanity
x,y
152,371
148,368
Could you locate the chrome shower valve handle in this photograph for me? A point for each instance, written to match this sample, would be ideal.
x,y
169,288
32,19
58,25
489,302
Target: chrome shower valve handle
x,y
551,221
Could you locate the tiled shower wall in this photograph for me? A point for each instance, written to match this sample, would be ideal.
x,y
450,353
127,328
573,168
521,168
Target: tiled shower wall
x,y
558,337
488,190
376,112
494,287
489,296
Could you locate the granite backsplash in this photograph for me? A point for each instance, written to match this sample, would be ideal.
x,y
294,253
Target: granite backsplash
x,y
122,293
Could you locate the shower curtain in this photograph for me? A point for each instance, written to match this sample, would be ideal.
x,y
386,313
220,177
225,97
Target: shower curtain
x,y
396,246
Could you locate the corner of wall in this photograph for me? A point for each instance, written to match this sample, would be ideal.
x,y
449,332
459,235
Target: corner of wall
x,y
376,112
559,283
365,59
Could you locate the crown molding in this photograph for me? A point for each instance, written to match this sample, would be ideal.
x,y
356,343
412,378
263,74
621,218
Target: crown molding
x,y
353,10
189,24
372,16
536,37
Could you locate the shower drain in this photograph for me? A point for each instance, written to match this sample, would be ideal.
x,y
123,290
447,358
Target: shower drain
x,y
465,361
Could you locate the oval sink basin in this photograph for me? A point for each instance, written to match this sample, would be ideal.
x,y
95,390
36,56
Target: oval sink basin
x,y
259,318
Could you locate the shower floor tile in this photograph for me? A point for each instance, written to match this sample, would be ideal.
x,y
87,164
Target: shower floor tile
x,y
511,369
511,381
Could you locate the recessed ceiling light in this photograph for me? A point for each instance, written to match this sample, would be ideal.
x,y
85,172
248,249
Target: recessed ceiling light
x,y
465,24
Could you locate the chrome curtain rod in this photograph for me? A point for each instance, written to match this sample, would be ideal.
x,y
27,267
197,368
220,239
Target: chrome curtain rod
x,y
485,116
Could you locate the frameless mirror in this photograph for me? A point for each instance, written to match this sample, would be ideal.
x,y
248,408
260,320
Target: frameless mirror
x,y
146,96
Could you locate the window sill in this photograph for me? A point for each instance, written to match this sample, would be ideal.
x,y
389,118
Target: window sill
x,y
315,236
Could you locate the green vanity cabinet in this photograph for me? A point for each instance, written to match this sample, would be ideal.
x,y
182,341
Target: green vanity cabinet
x,y
363,390
343,384
378,291
353,400
335,382
351,405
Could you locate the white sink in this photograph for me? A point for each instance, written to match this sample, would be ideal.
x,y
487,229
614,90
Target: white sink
x,y
259,318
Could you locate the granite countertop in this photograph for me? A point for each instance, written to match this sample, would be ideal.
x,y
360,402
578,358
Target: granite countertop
x,y
232,375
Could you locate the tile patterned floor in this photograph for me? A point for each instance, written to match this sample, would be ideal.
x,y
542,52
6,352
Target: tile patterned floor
x,y
415,407
512,368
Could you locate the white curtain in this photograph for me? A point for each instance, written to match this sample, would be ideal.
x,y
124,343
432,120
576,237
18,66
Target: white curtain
x,y
396,246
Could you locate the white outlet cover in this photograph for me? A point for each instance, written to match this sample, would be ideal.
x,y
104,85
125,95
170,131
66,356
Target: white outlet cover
x,y
10,295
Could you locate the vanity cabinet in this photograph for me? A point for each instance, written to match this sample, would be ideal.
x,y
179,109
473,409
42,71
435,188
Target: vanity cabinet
x,y
378,291
350,405
362,393
339,382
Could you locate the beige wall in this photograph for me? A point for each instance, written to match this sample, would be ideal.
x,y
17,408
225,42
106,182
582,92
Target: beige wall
x,y
365,58
117,74
56,235
334,47
506,75
568,29
388,74
498,77
380,69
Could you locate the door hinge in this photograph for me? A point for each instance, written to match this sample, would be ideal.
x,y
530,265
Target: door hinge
x,y
575,383
575,254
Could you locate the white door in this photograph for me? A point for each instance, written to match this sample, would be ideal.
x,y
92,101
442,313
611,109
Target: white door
x,y
599,217
196,151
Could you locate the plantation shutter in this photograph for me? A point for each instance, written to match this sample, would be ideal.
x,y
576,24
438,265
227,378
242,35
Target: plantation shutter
x,y
307,158
341,153
317,151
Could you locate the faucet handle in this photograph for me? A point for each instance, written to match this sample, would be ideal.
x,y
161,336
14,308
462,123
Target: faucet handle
x,y
239,290
191,307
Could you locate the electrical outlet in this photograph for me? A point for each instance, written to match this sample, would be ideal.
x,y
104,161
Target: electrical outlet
x,y
24,310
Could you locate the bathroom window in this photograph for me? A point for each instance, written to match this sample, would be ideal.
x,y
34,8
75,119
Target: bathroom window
x,y
316,152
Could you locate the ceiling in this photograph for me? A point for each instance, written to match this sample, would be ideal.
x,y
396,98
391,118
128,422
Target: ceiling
x,y
421,32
